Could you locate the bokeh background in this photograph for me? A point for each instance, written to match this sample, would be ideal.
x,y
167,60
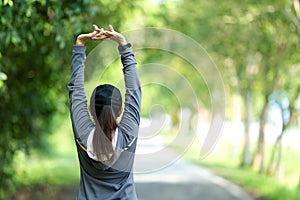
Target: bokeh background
x,y
254,45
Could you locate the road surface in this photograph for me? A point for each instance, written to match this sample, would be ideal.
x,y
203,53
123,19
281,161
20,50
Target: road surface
x,y
179,180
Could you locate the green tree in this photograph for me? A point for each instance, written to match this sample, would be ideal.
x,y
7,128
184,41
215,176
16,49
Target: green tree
x,y
253,44
280,44
289,112
36,41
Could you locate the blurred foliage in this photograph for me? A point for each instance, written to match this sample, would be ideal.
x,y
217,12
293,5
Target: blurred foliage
x,y
36,40
255,45
171,82
250,41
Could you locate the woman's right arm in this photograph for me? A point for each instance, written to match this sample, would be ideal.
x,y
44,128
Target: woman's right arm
x,y
131,116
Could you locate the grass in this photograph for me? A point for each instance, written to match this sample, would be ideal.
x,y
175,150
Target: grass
x,y
47,170
224,161
57,166
259,186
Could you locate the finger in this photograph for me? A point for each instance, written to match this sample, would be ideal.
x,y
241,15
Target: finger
x,y
104,38
93,34
100,37
111,28
101,33
108,33
89,34
96,28
97,36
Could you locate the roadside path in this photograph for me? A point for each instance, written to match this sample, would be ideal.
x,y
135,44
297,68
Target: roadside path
x,y
181,180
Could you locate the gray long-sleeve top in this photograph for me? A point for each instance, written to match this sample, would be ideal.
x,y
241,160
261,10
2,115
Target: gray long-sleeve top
x,y
101,180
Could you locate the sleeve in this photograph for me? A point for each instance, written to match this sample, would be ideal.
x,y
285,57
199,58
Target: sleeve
x,y
131,116
81,121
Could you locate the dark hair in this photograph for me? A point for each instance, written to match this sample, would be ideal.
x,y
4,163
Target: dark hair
x,y
106,103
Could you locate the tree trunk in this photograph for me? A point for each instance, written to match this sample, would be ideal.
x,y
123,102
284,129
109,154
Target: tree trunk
x,y
277,150
271,167
246,155
258,163
279,166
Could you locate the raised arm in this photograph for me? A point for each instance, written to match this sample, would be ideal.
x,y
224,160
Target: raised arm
x,y
131,116
81,121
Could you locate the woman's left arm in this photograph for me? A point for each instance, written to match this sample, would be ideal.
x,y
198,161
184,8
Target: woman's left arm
x,y
81,121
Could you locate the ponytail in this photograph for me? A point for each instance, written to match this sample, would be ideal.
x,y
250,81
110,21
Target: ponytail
x,y
105,126
106,103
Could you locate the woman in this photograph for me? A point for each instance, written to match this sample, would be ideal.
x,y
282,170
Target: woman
x,y
105,149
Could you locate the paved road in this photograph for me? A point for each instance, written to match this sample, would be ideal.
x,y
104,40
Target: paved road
x,y
180,180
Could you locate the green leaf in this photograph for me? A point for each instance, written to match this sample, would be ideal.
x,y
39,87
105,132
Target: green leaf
x,y
8,2
3,76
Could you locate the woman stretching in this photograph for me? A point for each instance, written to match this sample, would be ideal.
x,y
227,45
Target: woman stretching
x,y
105,148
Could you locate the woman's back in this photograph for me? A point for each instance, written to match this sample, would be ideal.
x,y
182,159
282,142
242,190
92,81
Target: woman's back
x,y
105,179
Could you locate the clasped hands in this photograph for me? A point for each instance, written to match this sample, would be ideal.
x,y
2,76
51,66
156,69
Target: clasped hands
x,y
101,34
